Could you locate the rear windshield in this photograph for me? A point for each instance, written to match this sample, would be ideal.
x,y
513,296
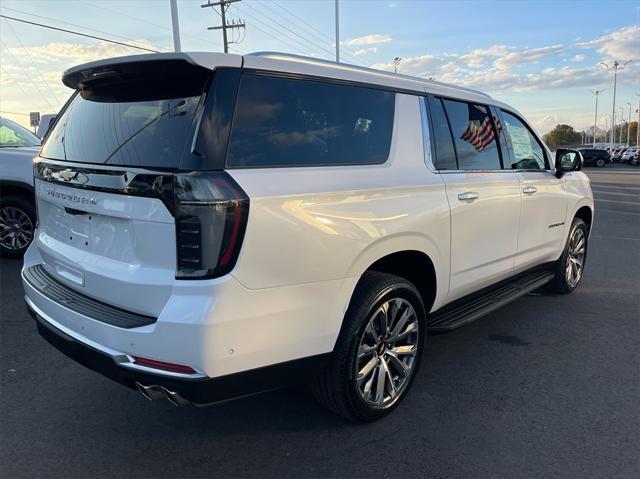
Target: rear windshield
x,y
137,133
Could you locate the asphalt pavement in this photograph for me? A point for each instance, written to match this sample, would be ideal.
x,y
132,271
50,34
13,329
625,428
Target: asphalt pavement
x,y
546,386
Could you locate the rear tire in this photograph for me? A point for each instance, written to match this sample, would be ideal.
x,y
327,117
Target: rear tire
x,y
17,225
569,268
600,163
377,355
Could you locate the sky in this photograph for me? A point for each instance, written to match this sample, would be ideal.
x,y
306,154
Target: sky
x,y
542,57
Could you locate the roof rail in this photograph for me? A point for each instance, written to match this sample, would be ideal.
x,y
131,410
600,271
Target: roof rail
x,y
331,64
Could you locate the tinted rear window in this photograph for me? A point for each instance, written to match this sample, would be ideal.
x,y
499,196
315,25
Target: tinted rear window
x,y
287,122
137,133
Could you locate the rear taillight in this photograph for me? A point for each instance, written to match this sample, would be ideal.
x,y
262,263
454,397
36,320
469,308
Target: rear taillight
x,y
211,213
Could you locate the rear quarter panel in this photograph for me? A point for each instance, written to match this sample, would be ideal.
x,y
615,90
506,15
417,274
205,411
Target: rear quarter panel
x,y
309,225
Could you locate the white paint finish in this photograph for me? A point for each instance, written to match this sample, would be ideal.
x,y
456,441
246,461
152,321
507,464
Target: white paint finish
x,y
484,231
203,320
122,252
327,223
541,233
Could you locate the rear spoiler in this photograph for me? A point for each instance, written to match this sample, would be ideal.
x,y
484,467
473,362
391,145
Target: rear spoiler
x,y
140,66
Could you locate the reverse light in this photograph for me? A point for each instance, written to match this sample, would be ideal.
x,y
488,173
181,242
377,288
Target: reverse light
x,y
211,213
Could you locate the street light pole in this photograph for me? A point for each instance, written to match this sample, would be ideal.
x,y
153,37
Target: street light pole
x,y
615,67
596,93
629,124
175,26
337,32
621,124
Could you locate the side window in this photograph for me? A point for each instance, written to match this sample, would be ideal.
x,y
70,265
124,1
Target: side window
x,y
287,122
474,136
445,152
527,153
426,136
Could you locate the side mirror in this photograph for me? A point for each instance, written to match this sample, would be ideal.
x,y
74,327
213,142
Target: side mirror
x,y
568,160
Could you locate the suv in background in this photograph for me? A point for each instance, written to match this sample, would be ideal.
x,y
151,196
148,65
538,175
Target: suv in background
x,y
630,153
596,157
213,226
18,146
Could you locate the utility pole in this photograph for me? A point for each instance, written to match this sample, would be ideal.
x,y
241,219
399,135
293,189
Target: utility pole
x,y
638,125
224,6
629,124
337,32
175,25
595,93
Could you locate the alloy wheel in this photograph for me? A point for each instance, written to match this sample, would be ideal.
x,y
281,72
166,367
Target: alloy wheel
x,y
16,228
387,353
575,257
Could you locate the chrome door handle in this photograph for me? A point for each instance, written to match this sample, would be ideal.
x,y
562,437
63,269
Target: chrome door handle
x,y
529,190
468,196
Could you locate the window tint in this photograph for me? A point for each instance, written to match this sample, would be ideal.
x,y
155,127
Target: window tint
x,y
474,136
138,133
285,122
445,152
526,151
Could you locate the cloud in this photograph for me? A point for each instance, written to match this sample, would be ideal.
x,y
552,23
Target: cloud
x,y
623,44
579,58
505,57
71,54
372,39
526,55
364,51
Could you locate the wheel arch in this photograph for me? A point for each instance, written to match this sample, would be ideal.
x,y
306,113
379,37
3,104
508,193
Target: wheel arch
x,y
585,213
16,188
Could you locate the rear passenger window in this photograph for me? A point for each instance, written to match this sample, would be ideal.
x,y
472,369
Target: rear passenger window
x,y
474,136
286,122
526,151
445,153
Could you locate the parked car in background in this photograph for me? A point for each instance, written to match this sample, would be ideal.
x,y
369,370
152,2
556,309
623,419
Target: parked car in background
x,y
18,146
635,160
628,154
617,154
595,157
267,219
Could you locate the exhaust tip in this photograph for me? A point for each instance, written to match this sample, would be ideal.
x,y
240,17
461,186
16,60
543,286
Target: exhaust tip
x,y
154,392
150,392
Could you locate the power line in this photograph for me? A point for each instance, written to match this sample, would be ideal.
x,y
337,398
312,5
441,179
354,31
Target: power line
x,y
50,27
13,113
308,42
69,23
33,63
321,36
35,86
164,27
254,24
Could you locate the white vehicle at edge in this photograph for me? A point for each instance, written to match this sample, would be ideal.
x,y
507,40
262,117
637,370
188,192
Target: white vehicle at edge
x,y
17,209
213,226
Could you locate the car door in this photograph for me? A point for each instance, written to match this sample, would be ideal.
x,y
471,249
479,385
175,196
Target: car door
x,y
544,200
484,199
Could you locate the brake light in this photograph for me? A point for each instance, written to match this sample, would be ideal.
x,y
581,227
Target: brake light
x,y
211,213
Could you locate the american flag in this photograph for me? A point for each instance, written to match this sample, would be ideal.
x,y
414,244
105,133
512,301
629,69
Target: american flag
x,y
479,131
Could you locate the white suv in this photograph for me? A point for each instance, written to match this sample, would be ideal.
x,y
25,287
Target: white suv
x,y
213,226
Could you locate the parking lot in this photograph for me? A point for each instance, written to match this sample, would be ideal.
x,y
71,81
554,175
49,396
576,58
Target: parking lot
x,y
546,386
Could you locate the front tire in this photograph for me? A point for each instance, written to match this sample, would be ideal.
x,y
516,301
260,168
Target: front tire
x,y
600,163
378,352
570,267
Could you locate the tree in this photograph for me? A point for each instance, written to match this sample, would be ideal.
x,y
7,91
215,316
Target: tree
x,y
562,135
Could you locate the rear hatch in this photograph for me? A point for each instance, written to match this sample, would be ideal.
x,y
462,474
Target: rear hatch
x,y
106,178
